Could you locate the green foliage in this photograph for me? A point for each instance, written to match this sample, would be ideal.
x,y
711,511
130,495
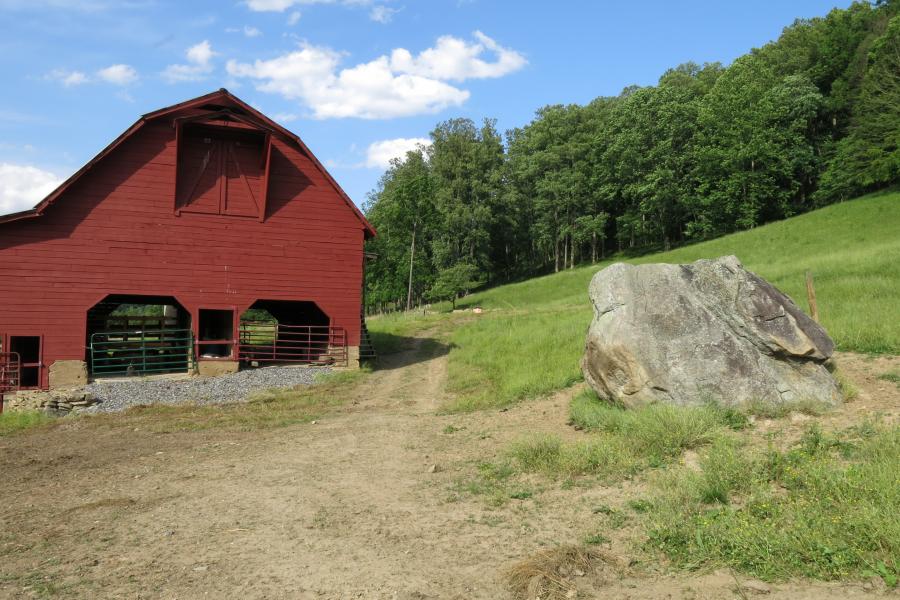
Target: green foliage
x,y
454,281
869,156
810,119
824,509
15,421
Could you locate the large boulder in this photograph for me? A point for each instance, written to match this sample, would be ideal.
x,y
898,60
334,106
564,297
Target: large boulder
x,y
707,331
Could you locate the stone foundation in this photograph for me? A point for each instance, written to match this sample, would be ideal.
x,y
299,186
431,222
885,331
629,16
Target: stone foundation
x,y
53,401
353,357
214,368
68,374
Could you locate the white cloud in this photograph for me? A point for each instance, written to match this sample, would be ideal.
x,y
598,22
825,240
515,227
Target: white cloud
x,y
382,14
270,5
200,54
284,117
67,78
458,60
283,5
294,18
250,32
386,87
118,74
199,65
23,186
379,154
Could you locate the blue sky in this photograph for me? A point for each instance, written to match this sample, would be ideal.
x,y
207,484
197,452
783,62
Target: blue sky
x,y
358,80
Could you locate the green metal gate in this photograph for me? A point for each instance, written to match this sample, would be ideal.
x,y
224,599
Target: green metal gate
x,y
141,352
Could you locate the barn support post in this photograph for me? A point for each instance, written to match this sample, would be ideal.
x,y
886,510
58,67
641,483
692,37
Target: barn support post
x,y
68,374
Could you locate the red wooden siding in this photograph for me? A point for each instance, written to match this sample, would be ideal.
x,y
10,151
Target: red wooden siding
x,y
115,231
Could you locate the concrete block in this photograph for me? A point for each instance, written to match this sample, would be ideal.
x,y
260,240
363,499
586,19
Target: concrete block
x,y
214,368
68,374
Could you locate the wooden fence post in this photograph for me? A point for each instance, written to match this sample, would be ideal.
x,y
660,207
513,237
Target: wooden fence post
x,y
811,297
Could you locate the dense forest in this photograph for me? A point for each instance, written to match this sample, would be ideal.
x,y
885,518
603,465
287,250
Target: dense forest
x,y
810,119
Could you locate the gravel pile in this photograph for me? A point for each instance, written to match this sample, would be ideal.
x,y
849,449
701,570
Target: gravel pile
x,y
119,395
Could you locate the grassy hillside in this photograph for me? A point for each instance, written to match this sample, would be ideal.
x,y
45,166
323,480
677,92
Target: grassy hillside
x,y
529,341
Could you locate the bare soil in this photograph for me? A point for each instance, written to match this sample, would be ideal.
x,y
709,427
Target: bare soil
x,y
364,503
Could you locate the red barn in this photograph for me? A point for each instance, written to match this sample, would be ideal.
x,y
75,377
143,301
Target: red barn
x,y
150,258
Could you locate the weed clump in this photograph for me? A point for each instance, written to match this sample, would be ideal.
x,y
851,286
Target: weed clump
x,y
14,421
548,574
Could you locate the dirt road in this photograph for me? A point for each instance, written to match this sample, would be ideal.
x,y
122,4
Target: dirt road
x,y
365,503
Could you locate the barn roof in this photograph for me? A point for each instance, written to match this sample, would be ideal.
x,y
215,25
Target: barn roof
x,y
219,98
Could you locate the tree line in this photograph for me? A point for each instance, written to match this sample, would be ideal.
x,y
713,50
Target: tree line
x,y
810,119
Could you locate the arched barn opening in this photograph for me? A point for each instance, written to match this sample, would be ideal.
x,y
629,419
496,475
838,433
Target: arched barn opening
x,y
288,331
138,335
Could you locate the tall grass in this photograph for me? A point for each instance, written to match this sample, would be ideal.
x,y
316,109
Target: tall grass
x,y
500,359
625,441
14,421
826,509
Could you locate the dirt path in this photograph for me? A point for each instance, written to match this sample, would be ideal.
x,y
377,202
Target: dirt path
x,y
365,503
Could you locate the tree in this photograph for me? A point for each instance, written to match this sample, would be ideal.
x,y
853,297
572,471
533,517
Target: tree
x,y
869,157
811,118
455,281
402,211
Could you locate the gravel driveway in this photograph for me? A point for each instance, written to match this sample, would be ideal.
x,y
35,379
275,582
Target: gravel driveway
x,y
119,395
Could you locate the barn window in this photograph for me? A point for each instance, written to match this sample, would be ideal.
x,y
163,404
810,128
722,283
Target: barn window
x,y
222,170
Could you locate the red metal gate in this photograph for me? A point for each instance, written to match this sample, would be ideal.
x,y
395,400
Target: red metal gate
x,y
10,374
269,342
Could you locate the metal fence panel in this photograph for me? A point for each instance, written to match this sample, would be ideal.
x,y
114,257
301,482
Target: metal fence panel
x,y
141,352
10,372
269,342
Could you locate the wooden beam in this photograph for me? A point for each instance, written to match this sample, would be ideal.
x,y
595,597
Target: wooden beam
x,y
811,297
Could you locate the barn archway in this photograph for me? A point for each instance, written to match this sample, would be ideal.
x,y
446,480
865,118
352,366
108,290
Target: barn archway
x,y
138,335
290,331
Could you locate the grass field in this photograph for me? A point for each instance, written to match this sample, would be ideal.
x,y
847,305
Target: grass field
x,y
529,340
824,507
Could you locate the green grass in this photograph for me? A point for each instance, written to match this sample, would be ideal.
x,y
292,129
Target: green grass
x,y
892,376
530,339
15,421
625,441
825,509
544,347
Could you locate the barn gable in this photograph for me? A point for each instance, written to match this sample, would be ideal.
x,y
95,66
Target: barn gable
x,y
223,153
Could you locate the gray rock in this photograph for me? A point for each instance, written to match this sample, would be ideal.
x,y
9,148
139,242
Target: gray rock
x,y
707,331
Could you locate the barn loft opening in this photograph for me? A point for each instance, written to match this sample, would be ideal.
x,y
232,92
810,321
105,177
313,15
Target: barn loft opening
x,y
223,165
285,331
138,335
